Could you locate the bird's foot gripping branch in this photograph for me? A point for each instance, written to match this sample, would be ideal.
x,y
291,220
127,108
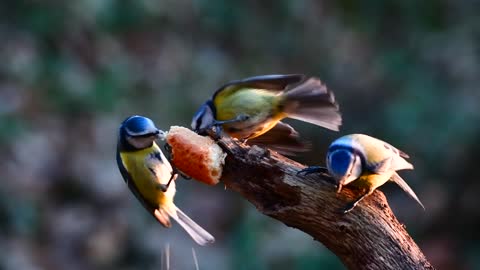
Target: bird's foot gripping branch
x,y
368,237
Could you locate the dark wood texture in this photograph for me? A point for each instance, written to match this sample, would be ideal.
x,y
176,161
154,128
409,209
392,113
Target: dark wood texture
x,y
369,237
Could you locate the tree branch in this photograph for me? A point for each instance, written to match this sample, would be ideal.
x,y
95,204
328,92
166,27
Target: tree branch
x,y
369,237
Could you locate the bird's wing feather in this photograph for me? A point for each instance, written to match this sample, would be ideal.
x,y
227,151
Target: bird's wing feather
x,y
312,102
377,151
397,179
275,83
382,166
398,158
198,234
282,138
395,150
133,188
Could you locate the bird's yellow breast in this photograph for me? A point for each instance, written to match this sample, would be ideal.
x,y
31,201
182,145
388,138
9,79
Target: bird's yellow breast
x,y
260,105
371,181
138,166
230,103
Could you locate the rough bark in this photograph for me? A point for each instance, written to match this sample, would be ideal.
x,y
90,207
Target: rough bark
x,y
369,237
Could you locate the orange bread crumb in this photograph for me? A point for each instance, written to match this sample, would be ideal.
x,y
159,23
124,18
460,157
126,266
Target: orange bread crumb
x,y
196,156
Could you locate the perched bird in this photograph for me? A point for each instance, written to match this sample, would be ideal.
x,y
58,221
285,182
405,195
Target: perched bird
x,y
366,163
149,175
252,109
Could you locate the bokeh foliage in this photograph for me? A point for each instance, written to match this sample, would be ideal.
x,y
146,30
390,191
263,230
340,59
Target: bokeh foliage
x,y
71,71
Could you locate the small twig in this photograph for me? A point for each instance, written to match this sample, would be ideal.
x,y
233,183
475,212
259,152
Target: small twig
x,y
195,259
166,257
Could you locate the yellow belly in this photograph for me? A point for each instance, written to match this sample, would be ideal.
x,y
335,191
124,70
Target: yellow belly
x,y
370,182
146,182
251,129
259,105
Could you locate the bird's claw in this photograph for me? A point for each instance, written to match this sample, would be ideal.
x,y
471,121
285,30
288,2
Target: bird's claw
x,y
178,172
217,132
168,149
163,187
339,187
349,207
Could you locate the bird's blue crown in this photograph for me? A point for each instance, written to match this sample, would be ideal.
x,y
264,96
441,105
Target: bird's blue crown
x,y
339,161
138,125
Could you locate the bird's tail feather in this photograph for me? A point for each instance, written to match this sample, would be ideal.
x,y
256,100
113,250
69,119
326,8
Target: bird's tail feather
x,y
399,180
198,234
312,102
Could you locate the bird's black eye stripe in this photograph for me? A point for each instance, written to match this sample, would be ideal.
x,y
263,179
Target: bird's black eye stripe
x,y
198,121
145,135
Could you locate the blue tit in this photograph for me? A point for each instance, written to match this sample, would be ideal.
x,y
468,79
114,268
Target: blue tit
x,y
149,175
366,163
253,108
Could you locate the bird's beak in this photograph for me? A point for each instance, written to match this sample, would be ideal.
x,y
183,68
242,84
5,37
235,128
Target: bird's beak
x,y
340,184
160,134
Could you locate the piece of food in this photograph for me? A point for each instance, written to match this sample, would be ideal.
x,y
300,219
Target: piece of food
x,y
196,156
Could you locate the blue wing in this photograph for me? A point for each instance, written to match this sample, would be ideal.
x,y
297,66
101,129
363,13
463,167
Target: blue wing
x,y
274,82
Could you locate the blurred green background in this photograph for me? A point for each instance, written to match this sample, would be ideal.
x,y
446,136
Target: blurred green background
x,y
70,71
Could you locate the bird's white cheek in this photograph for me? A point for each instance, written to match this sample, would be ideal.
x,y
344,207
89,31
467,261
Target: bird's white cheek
x,y
355,170
140,143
